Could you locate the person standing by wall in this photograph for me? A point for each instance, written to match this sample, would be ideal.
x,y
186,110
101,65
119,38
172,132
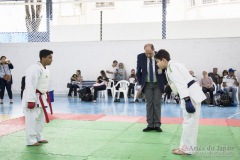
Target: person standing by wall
x,y
152,81
5,78
112,70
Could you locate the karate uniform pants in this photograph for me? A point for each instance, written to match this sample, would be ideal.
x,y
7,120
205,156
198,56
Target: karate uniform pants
x,y
34,121
188,141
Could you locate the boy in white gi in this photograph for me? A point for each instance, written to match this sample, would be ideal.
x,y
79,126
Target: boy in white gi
x,y
191,96
34,98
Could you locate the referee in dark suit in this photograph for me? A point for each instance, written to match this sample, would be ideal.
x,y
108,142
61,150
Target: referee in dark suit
x,y
152,81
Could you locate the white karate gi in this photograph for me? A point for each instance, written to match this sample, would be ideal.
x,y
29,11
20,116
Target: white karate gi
x,y
178,77
37,78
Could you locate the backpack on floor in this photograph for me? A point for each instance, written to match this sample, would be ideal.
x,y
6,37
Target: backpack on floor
x,y
225,100
87,98
85,94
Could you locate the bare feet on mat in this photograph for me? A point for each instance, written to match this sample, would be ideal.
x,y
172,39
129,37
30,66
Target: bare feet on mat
x,y
178,152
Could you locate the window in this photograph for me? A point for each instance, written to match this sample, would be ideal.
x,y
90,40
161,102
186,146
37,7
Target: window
x,y
209,1
230,0
154,2
104,4
192,3
70,9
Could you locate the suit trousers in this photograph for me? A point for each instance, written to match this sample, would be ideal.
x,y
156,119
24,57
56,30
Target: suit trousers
x,y
188,142
153,97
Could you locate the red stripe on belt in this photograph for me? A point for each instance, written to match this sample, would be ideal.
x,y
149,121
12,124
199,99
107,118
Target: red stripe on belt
x,y
43,106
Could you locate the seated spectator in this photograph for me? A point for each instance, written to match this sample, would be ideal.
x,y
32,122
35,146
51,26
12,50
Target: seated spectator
x,y
207,85
101,84
120,73
132,72
168,92
76,82
74,85
194,77
132,80
230,84
79,78
215,77
224,73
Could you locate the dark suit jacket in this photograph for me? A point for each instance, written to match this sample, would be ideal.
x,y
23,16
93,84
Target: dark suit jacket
x,y
142,73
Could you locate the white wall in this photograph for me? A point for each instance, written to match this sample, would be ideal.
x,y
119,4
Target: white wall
x,y
134,11
124,12
91,57
144,31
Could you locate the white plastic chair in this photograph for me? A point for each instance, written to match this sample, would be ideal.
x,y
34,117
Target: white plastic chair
x,y
215,88
135,92
103,93
110,85
123,87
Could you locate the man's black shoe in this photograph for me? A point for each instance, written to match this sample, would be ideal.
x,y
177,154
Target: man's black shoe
x,y
148,129
136,100
117,100
158,129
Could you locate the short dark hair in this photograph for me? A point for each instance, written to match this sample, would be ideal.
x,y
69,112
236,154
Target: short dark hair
x,y
162,53
2,57
224,71
151,45
103,73
115,61
74,75
79,71
44,53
